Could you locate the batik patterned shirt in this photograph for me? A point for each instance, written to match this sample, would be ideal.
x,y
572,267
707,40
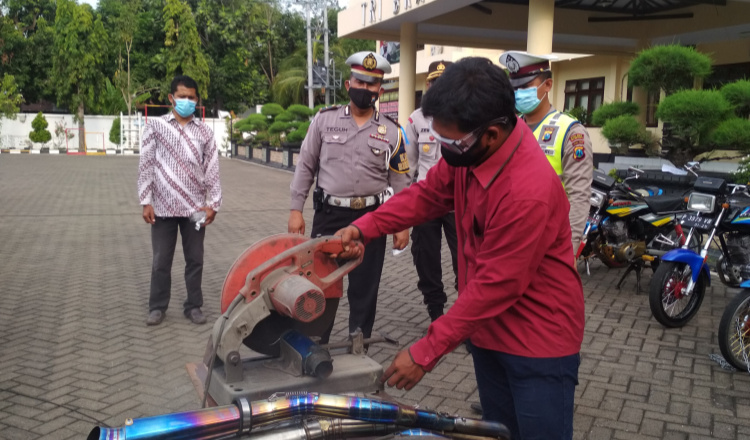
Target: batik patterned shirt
x,y
178,171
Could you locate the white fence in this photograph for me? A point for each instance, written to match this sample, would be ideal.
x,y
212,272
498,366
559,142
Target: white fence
x,y
14,134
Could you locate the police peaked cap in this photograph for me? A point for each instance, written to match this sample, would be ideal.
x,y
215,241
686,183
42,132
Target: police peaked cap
x,y
368,66
436,69
524,67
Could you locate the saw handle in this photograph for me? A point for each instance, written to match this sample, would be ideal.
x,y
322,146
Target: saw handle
x,y
302,256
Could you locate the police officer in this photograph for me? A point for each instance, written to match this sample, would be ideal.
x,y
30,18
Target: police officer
x,y
357,158
564,140
424,152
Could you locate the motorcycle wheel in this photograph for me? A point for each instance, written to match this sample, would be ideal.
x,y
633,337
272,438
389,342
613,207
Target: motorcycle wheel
x,y
734,327
606,254
668,305
728,275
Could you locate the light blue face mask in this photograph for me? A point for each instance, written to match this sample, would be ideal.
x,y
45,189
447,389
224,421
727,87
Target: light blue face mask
x,y
527,100
184,107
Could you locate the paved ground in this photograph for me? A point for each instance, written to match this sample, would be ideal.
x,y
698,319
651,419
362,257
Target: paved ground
x,y
74,352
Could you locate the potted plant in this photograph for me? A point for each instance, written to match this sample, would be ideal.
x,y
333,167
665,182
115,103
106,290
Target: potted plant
x,y
40,135
622,132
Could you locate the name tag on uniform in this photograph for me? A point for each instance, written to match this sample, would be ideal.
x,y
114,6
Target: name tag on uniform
x,y
548,151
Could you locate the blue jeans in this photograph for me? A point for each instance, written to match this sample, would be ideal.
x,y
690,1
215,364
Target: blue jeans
x,y
533,397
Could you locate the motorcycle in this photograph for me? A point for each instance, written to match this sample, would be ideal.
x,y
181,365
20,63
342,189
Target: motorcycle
x,y
679,284
734,327
628,226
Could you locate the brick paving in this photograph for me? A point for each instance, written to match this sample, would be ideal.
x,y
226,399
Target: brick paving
x,y
74,350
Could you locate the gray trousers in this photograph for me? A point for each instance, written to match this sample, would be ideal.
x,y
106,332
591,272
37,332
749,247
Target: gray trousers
x,y
163,242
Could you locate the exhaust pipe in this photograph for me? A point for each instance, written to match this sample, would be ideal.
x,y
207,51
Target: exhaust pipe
x,y
241,418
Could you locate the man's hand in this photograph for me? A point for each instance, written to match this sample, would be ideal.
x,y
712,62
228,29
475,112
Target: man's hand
x,y
210,215
296,223
148,214
403,373
351,250
401,240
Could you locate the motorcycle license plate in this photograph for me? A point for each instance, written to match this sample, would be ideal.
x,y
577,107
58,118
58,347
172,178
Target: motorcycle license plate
x,y
696,221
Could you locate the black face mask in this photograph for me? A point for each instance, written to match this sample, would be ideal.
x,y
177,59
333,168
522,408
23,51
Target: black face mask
x,y
363,98
469,158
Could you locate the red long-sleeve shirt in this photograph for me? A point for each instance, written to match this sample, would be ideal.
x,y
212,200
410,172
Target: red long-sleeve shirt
x,y
519,292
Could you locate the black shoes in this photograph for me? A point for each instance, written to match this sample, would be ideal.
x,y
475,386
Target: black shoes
x,y
196,316
155,317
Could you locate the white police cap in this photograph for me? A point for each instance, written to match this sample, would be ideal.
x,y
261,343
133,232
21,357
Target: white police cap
x,y
368,66
524,67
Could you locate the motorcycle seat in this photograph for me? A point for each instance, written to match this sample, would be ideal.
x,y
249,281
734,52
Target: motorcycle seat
x,y
665,204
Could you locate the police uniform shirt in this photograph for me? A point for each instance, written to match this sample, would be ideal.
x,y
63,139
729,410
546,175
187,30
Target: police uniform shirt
x,y
348,160
577,174
423,150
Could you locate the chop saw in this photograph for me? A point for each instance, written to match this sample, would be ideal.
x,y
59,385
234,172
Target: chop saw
x,y
278,298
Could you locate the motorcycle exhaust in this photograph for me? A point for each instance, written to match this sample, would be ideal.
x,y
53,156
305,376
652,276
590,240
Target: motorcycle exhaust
x,y
241,418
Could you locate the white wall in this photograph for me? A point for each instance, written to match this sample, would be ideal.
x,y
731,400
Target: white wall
x,y
14,134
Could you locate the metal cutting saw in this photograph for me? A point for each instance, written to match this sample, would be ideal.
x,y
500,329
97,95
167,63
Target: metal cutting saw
x,y
279,297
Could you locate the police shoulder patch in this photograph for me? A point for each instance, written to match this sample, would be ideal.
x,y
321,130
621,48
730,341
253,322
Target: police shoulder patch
x,y
391,119
332,107
579,153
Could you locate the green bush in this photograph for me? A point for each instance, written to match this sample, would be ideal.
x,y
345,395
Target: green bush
x,y
286,116
40,133
624,131
278,127
612,110
254,122
732,134
580,114
299,134
738,95
114,132
301,111
271,109
671,67
694,113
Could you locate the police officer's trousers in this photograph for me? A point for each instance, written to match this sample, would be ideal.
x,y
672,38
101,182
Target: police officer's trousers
x,y
364,280
426,243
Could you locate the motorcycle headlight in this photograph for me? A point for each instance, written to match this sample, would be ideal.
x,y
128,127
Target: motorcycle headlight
x,y
597,198
701,202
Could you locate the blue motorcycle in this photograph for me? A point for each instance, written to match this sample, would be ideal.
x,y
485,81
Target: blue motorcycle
x,y
721,211
734,340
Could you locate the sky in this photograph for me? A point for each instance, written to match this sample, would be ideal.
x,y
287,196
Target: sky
x,y
91,2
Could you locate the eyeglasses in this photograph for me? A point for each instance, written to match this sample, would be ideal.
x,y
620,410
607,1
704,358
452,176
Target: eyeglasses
x,y
460,146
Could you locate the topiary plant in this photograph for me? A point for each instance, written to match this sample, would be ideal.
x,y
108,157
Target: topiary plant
x,y
732,134
271,110
612,110
114,132
286,116
671,68
300,111
278,127
738,95
693,114
40,133
622,132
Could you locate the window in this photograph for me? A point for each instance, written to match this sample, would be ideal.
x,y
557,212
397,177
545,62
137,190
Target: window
x,y
651,103
587,93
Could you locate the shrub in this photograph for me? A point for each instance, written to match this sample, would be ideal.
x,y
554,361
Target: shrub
x,y
300,111
579,114
40,133
271,109
742,175
114,132
299,134
671,67
254,122
732,134
278,127
612,110
738,95
286,116
694,113
624,131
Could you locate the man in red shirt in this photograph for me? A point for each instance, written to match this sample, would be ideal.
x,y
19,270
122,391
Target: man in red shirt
x,y
520,298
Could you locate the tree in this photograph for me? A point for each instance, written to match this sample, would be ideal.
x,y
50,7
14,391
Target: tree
x,y
10,98
78,54
669,68
114,132
182,54
40,134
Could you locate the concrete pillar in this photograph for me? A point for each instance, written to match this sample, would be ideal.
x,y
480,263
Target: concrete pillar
x,y
541,20
408,72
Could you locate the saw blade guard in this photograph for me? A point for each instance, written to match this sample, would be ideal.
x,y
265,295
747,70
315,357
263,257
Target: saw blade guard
x,y
286,281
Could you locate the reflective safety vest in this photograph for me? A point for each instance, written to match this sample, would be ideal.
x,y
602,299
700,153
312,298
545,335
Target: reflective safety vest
x,y
551,134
